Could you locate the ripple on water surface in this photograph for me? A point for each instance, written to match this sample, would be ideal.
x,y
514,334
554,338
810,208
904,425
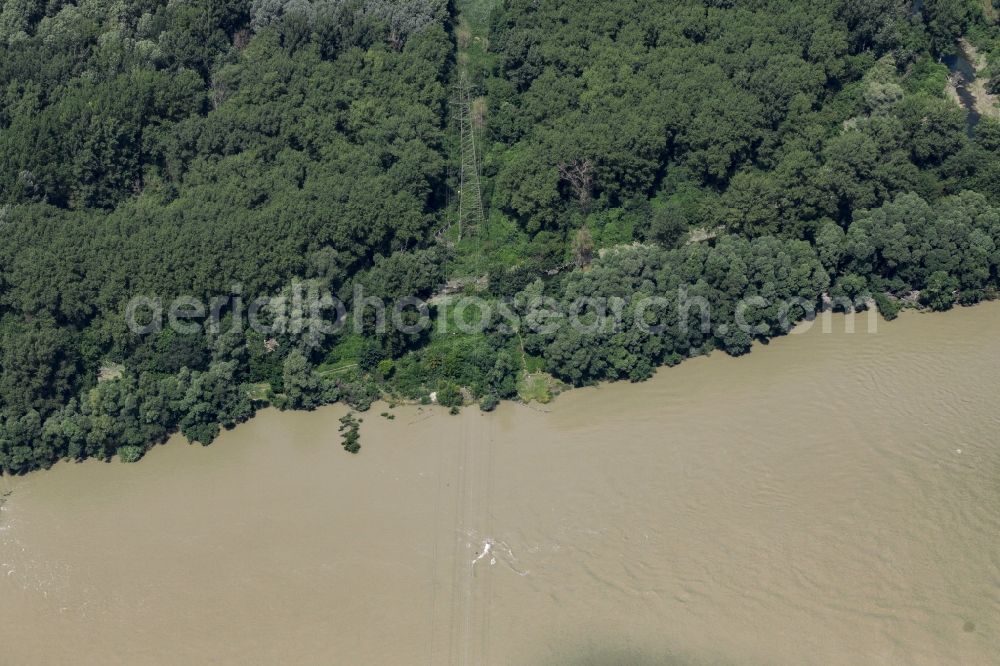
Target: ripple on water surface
x,y
830,498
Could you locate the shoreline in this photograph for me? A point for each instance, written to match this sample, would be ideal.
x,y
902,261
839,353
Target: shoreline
x,y
433,410
983,103
691,497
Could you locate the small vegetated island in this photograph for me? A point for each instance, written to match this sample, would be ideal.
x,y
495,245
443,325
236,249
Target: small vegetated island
x,y
623,149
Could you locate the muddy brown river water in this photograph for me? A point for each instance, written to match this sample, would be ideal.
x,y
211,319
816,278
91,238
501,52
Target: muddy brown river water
x,y
829,499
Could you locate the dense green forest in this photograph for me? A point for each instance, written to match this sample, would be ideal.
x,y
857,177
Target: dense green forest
x,y
723,149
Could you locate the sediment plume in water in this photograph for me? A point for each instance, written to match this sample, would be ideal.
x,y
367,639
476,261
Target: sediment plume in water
x,y
830,498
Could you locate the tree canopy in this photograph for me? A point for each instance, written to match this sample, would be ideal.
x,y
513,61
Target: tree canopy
x,y
688,151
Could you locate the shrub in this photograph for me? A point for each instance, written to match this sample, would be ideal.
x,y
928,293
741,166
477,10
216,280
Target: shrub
x,y
450,396
887,306
130,454
489,402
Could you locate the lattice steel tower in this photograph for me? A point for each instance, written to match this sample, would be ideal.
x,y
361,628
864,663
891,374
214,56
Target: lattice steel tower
x,y
471,218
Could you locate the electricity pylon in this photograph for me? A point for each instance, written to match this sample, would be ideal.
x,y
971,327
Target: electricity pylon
x,y
471,218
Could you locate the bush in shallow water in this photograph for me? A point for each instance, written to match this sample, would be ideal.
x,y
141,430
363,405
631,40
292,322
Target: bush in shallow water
x,y
888,307
130,454
489,402
350,433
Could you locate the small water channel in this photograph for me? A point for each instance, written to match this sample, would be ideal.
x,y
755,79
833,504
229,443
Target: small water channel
x,y
961,70
963,74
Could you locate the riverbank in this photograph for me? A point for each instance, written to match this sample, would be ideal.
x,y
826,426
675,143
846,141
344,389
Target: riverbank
x,y
986,104
836,487
969,89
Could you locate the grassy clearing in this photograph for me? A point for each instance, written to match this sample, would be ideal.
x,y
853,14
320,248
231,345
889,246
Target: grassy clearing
x,y
340,368
110,372
476,13
533,364
537,387
259,392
